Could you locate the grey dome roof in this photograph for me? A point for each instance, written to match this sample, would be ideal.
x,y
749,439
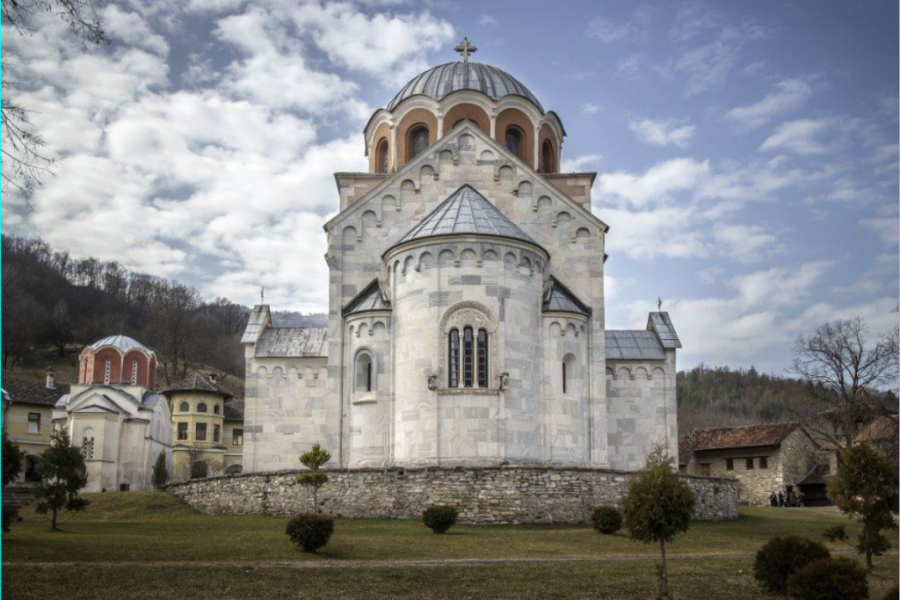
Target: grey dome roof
x,y
122,343
466,212
443,80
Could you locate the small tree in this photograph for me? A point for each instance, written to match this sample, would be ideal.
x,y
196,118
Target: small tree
x,y
314,460
63,475
12,458
658,507
160,471
865,488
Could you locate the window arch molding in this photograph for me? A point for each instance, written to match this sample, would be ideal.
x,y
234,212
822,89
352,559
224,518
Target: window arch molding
x,y
475,316
364,373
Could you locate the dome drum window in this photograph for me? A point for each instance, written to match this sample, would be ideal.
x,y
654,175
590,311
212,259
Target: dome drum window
x,y
418,141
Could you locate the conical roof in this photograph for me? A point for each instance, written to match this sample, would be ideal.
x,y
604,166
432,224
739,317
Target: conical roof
x,y
559,298
466,212
196,383
371,298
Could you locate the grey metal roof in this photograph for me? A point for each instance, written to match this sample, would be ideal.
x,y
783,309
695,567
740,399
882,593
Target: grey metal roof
x,y
633,345
559,298
291,342
122,343
27,391
443,80
371,298
255,324
466,212
662,325
196,382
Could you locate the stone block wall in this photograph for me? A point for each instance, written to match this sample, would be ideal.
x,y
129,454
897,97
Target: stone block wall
x,y
483,496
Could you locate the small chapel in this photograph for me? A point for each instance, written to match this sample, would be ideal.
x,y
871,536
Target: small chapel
x,y
466,323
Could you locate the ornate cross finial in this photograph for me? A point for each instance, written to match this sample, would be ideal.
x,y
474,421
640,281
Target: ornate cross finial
x,y
262,295
466,48
659,303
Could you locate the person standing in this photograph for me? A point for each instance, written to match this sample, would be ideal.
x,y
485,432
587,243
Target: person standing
x,y
780,498
773,500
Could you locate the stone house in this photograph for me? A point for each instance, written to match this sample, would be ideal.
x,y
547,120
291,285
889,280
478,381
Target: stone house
x,y
763,458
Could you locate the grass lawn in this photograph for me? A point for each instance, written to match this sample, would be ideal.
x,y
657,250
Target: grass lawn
x,y
154,527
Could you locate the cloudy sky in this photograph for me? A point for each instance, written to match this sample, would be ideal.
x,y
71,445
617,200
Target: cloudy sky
x,y
747,152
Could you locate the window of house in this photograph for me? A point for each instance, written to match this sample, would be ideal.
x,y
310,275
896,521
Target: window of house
x,y
763,462
418,141
482,358
124,487
547,157
453,354
34,423
729,464
565,378
87,445
134,372
468,358
237,437
200,435
202,408
107,371
381,157
515,141
706,470
215,409
185,407
364,380
217,433
182,432
749,464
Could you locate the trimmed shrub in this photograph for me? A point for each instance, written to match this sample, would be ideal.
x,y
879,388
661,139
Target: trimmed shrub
x,y
830,579
779,559
310,532
893,594
606,520
440,519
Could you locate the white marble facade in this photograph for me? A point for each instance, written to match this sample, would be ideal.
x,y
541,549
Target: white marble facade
x,y
377,388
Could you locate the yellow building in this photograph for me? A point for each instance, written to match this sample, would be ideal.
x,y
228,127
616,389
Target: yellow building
x,y
28,415
208,429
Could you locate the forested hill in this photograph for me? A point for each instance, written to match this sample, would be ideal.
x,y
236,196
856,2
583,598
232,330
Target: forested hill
x,y
719,397
53,304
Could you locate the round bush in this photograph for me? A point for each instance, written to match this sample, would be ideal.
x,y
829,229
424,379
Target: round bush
x,y
830,579
310,532
440,519
606,520
782,557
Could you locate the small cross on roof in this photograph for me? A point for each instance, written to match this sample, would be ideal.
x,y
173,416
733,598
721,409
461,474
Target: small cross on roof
x,y
466,48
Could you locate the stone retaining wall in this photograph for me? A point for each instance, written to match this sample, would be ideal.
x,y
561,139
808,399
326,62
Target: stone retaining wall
x,y
484,496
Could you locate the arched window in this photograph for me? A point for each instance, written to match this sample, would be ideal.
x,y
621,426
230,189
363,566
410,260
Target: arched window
x,y
185,407
453,354
514,140
565,378
547,161
134,372
418,140
364,379
570,376
468,357
482,358
107,371
215,409
381,157
202,408
87,444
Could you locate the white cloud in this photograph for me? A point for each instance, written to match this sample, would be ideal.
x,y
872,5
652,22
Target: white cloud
x,y
606,31
801,137
788,95
662,232
132,29
486,20
665,132
747,243
590,108
657,184
885,227
577,164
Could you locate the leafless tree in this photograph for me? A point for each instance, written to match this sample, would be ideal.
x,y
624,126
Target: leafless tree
x,y
846,374
197,466
26,160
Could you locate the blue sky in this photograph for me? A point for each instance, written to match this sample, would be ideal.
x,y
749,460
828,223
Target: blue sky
x,y
747,152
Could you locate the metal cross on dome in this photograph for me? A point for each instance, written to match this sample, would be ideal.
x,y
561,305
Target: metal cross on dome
x,y
466,48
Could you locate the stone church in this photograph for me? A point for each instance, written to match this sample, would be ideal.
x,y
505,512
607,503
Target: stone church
x,y
467,321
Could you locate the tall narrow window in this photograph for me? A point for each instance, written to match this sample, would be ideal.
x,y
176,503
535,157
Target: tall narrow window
x,y
418,141
182,432
547,157
482,358
34,423
87,445
468,357
514,141
134,372
237,437
107,371
200,432
217,433
364,378
381,157
565,378
453,358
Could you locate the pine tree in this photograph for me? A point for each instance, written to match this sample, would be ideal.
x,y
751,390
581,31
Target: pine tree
x,y
160,471
314,460
658,507
63,475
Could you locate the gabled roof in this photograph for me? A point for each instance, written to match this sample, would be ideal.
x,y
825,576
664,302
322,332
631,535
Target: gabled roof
x,y
661,323
633,344
466,212
256,324
559,298
730,438
292,342
196,382
371,298
29,391
881,429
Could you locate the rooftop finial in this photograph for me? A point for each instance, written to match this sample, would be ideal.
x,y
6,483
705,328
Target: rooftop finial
x,y
262,295
466,48
659,303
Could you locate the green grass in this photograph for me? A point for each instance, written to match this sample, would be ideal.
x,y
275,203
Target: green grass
x,y
155,527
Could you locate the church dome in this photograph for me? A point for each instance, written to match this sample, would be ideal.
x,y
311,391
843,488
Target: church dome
x,y
443,80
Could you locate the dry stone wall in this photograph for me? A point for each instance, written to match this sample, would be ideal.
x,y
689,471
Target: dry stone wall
x,y
483,496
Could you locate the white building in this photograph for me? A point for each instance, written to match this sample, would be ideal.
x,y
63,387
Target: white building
x,y
114,415
467,317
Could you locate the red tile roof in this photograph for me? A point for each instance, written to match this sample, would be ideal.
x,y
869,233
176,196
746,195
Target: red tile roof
x,y
728,438
882,428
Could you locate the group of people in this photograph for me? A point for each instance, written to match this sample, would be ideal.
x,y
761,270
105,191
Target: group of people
x,y
779,500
